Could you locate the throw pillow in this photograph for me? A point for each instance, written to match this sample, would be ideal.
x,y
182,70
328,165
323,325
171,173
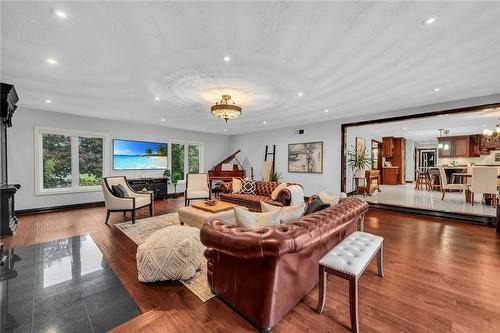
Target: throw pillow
x,y
248,186
236,185
288,213
329,199
119,191
250,220
276,191
315,206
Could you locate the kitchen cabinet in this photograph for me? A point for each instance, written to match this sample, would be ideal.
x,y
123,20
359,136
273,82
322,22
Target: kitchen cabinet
x,y
390,175
398,157
388,146
460,146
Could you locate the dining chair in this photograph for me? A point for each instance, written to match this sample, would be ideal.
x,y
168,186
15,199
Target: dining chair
x,y
484,180
445,186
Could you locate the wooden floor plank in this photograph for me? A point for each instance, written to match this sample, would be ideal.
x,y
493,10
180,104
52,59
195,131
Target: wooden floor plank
x,y
440,276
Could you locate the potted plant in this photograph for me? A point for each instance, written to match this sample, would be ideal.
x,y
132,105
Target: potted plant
x,y
174,180
275,176
358,161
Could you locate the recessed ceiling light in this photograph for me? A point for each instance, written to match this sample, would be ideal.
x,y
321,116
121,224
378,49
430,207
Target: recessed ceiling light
x,y
162,119
48,101
51,61
157,98
264,122
225,129
405,128
226,58
300,93
326,110
436,89
429,20
484,125
60,14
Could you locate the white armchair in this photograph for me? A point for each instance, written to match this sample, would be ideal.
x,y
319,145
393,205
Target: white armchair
x,y
134,200
445,186
196,187
484,180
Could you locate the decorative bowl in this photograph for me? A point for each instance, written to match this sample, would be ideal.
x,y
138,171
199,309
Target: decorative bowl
x,y
210,202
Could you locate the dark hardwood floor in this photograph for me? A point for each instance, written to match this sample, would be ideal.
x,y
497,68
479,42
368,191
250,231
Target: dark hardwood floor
x,y
440,276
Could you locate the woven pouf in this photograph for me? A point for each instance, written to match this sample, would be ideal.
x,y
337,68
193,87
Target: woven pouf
x,y
172,253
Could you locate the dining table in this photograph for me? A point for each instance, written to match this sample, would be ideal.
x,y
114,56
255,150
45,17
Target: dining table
x,y
464,176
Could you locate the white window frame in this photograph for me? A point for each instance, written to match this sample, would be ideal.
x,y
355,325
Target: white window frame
x,y
75,170
186,156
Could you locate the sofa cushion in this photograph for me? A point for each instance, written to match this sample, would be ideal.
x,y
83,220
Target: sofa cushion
x,y
288,213
277,189
248,186
236,185
119,191
250,220
315,206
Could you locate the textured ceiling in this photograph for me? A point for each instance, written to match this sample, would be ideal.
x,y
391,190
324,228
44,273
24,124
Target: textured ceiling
x,y
352,58
424,131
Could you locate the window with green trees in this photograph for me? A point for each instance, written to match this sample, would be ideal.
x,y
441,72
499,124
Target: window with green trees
x,y
69,161
185,158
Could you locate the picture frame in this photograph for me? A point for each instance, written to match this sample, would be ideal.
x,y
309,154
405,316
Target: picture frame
x,y
360,144
306,157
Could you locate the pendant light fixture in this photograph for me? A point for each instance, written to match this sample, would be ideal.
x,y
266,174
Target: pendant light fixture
x,y
440,144
446,145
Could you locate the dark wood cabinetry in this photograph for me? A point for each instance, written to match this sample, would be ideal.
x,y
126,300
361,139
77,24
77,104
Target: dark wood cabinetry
x,y
460,146
158,186
388,146
397,146
390,175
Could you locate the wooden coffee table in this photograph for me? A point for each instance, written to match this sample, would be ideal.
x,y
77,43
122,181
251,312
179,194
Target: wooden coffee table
x,y
198,213
219,206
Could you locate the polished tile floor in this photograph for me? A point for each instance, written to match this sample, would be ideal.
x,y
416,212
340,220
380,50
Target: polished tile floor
x,y
407,196
64,285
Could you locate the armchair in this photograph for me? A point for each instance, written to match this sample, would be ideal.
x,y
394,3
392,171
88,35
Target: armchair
x,y
131,203
196,187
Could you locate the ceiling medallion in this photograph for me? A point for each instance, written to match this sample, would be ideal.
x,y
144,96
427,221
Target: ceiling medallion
x,y
226,108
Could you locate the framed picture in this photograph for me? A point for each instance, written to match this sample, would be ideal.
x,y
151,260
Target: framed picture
x,y
305,157
360,145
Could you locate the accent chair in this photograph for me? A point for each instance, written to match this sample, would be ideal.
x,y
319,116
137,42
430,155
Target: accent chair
x,y
196,187
130,203
445,186
484,180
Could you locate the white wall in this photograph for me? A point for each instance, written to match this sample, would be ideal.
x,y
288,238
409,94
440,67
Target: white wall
x,y
253,144
410,160
21,151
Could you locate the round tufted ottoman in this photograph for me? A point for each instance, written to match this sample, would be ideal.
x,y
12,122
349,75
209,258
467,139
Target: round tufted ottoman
x,y
172,253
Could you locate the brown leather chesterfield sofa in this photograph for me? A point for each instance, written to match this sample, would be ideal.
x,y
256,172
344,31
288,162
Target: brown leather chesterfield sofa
x,y
263,192
264,273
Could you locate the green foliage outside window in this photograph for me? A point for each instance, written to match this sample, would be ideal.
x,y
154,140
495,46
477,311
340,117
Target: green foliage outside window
x,y
90,161
194,159
56,160
177,161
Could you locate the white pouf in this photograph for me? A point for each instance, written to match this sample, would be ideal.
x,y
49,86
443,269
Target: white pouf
x,y
172,253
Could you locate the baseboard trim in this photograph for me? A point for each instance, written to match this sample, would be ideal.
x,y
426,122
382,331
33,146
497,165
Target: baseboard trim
x,y
475,219
21,212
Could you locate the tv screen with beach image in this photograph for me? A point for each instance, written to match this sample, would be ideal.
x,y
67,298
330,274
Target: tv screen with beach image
x,y
139,155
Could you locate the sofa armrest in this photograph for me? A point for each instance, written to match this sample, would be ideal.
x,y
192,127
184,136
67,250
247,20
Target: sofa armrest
x,y
285,197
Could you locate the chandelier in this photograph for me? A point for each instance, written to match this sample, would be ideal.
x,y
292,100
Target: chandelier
x,y
490,136
226,108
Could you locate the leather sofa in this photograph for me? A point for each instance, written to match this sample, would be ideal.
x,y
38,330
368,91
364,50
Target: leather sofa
x,y
263,192
264,273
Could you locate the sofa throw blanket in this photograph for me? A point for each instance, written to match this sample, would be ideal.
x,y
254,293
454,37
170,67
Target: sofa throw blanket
x,y
297,194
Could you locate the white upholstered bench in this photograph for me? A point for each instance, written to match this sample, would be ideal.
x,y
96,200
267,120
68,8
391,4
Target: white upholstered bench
x,y
348,260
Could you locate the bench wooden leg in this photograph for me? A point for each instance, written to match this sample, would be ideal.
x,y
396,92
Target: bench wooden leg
x,y
353,304
322,289
380,260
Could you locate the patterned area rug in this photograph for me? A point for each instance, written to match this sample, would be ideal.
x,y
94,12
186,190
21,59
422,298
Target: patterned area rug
x,y
144,228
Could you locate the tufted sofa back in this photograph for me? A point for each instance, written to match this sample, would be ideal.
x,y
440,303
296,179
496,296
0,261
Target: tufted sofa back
x,y
265,188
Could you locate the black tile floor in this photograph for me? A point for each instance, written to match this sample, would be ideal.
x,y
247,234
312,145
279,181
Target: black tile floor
x,y
64,285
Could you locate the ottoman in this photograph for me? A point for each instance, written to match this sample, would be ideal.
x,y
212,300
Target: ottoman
x,y
197,217
172,253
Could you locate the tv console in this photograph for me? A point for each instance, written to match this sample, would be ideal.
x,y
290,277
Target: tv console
x,y
158,186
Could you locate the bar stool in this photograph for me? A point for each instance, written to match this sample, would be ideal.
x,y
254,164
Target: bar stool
x,y
423,179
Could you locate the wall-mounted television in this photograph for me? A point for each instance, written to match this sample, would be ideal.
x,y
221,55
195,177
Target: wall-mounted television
x,y
139,155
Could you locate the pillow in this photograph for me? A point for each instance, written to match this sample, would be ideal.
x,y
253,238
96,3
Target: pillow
x,y
276,191
236,185
247,186
315,206
119,191
329,199
250,220
288,213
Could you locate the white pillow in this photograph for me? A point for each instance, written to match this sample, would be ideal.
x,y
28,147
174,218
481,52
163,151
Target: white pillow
x,y
328,199
236,185
288,213
250,220
276,191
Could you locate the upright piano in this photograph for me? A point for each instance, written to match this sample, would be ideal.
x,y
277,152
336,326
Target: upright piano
x,y
221,171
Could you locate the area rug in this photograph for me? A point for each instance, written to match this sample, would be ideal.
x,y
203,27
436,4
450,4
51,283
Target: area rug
x,y
144,228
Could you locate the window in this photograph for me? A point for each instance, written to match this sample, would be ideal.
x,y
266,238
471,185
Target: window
x,y
69,161
185,158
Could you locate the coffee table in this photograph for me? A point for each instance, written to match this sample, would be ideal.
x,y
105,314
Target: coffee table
x,y
198,213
